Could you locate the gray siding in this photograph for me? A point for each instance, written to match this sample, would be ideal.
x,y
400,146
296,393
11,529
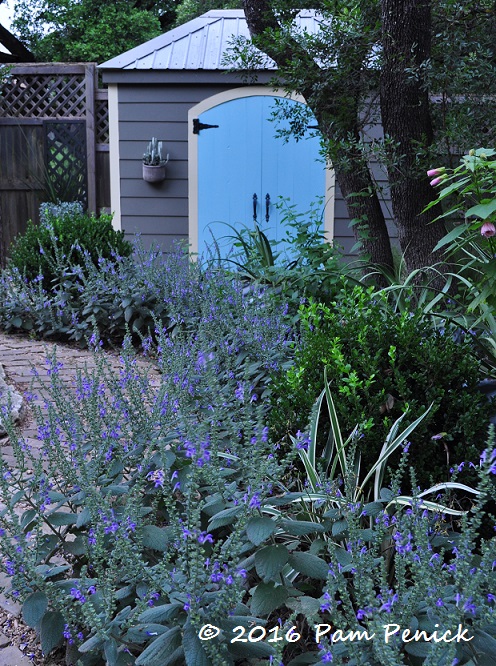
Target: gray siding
x,y
159,212
343,233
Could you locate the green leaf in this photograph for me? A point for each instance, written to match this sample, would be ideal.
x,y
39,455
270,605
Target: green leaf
x,y
156,538
373,508
336,431
309,565
312,475
76,547
27,518
91,644
193,648
110,650
128,313
343,556
483,642
156,653
34,608
175,659
305,659
251,651
225,517
270,560
314,426
267,597
143,633
260,528
483,210
451,236
161,613
51,631
307,606
339,526
83,518
418,649
446,191
16,497
301,527
60,518
48,571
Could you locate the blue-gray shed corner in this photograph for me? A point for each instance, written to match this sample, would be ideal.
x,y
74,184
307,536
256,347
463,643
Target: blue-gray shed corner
x,y
226,166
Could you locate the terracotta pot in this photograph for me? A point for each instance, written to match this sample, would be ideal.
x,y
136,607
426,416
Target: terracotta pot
x,y
154,174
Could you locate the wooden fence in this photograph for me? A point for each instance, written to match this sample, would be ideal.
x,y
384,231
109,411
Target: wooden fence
x,y
53,143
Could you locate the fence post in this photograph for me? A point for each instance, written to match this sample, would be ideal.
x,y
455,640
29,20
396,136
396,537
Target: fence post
x,y
90,87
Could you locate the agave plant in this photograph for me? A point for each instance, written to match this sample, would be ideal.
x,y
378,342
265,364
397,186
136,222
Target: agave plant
x,y
153,155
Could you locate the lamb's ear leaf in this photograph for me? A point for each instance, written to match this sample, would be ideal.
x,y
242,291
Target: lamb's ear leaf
x,y
34,608
51,631
156,652
193,649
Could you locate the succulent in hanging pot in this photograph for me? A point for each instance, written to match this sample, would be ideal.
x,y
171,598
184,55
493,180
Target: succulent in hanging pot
x,y
154,163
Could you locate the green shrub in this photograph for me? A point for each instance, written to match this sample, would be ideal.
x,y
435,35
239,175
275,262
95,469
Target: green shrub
x,y
143,294
63,235
302,264
153,507
379,362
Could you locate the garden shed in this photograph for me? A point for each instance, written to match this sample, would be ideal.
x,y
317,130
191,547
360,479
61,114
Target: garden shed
x,y
226,163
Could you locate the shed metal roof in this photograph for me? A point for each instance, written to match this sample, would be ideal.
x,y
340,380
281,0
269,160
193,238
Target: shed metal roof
x,y
199,44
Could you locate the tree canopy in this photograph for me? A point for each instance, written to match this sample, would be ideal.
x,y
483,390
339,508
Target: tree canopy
x,y
187,10
88,30
422,68
97,30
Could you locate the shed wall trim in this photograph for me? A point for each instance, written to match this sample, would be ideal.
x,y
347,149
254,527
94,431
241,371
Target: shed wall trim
x,y
215,100
115,169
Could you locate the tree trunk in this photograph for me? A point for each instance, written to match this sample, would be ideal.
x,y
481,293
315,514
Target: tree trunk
x,y
355,182
406,36
370,229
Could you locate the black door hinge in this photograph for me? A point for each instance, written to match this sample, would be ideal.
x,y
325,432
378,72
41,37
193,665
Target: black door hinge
x,y
197,126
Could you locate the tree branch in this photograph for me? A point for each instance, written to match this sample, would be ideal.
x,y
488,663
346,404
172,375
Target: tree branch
x,y
262,21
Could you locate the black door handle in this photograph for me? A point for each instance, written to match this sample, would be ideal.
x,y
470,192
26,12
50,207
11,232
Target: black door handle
x,y
255,199
267,205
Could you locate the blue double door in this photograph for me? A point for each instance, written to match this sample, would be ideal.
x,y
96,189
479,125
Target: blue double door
x,y
245,170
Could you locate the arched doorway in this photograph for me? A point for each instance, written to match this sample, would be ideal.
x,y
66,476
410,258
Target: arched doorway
x,y
239,169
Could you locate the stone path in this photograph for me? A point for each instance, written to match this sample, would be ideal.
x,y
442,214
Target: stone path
x,y
18,356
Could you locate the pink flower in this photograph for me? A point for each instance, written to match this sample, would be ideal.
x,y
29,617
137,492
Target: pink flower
x,y
435,172
488,230
436,181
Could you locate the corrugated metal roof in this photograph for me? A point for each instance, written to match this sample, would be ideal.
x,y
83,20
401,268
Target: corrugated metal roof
x,y
199,44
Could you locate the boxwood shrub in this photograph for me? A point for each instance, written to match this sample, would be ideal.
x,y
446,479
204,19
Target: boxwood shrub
x,y
379,364
64,233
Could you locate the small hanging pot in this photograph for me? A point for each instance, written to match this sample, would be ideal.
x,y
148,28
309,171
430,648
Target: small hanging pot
x,y
154,173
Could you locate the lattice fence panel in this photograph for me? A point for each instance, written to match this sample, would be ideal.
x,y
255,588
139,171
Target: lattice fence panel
x,y
102,121
44,96
65,160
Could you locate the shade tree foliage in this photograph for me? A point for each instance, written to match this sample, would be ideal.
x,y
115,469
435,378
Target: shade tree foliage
x,y
420,67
